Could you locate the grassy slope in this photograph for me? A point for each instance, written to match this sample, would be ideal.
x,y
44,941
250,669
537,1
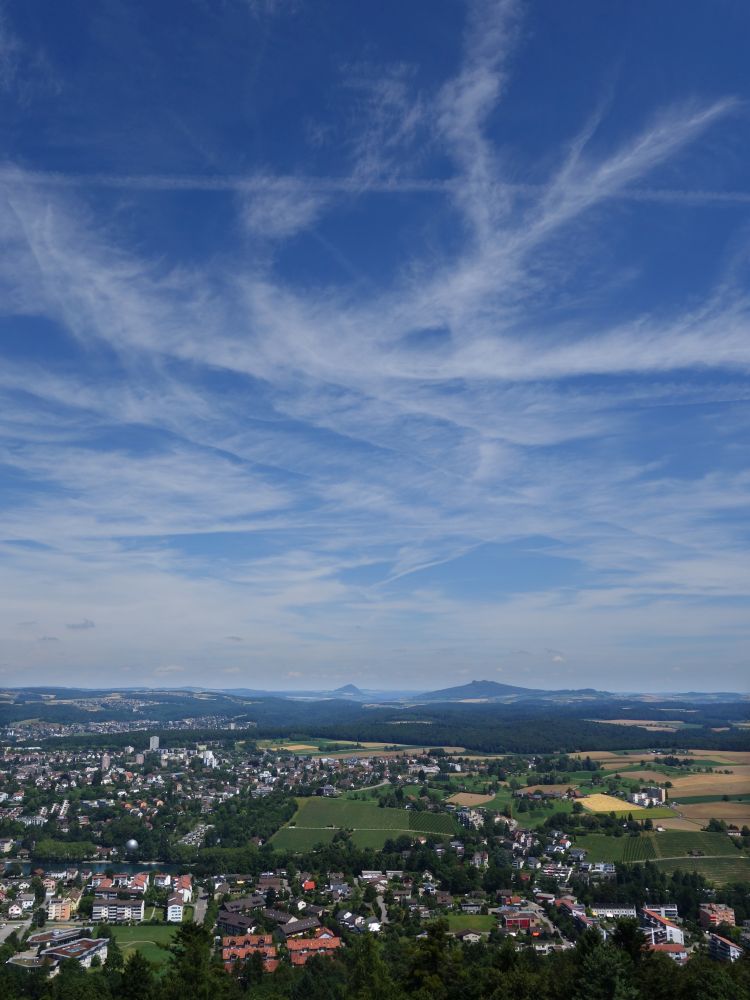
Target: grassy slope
x,y
145,939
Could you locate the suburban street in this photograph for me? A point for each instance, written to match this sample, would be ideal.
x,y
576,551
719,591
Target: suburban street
x,y
201,905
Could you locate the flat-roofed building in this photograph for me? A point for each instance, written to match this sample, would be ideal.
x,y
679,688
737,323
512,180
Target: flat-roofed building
x,y
117,911
713,914
58,909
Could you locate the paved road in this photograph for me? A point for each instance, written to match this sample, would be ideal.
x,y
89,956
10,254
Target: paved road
x,y
14,925
201,905
383,910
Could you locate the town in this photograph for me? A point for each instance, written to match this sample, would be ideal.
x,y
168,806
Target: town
x,y
285,851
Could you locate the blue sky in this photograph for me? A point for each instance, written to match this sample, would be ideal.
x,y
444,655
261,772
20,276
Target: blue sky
x,y
395,343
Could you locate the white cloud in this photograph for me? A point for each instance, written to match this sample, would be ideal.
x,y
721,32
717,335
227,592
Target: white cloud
x,y
278,212
357,443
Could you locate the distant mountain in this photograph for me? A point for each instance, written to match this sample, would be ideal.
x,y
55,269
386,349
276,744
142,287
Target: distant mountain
x,y
493,691
349,691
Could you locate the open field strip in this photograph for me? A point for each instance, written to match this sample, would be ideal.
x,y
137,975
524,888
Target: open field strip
x,y
692,799
318,746
551,788
614,755
702,758
625,764
653,725
636,774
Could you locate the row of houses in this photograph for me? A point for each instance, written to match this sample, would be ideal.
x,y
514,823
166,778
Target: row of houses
x,y
237,950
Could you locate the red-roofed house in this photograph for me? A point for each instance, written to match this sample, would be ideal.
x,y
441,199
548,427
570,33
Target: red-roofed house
x,y
677,952
302,950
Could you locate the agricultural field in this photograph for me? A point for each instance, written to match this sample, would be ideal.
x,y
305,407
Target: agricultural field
x,y
737,813
299,839
638,775
332,748
680,823
736,783
675,844
653,725
470,799
718,870
548,788
621,849
599,803
691,799
150,940
317,820
603,757
671,845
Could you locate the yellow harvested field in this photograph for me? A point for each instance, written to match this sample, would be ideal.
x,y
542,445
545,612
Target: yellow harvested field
x,y
600,803
731,812
297,746
469,799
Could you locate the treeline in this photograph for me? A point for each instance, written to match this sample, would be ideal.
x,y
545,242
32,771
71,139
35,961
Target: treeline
x,y
138,739
235,821
435,967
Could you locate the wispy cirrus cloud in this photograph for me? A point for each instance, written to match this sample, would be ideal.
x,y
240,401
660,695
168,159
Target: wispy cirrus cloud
x,y
329,472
